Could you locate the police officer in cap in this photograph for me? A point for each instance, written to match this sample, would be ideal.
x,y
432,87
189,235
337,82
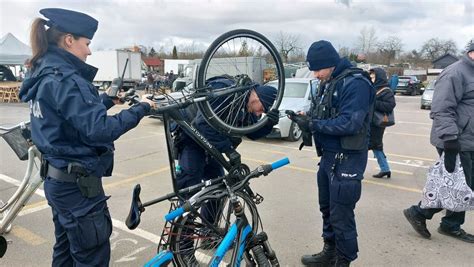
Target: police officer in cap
x,y
339,120
71,128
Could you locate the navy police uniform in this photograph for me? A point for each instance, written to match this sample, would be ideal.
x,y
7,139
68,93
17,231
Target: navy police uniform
x,y
340,129
71,128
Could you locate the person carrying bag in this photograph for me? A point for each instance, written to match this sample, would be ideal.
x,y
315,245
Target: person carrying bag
x,y
445,190
382,117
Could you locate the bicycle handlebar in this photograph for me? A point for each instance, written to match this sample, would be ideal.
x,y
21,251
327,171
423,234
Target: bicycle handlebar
x,y
200,96
19,125
264,169
280,163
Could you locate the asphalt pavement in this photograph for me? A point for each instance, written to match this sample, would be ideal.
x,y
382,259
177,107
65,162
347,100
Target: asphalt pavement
x,y
290,212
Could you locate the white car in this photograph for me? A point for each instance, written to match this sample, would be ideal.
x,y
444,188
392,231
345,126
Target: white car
x,y
297,97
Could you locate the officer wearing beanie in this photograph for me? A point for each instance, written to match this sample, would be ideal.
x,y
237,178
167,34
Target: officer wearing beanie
x,y
71,128
339,121
452,132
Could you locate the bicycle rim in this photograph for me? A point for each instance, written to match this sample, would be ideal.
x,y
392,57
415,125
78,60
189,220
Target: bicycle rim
x,y
239,52
194,243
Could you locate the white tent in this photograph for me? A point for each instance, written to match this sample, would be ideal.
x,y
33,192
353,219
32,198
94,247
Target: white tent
x,y
13,51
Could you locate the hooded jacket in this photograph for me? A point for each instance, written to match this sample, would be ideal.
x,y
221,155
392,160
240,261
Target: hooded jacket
x,y
452,108
384,103
69,121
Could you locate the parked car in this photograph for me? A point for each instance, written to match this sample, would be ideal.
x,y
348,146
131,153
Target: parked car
x,y
408,85
427,96
297,97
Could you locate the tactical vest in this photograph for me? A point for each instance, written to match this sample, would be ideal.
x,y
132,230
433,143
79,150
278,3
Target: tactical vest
x,y
322,107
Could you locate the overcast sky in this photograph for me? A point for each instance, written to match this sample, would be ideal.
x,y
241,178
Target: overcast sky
x,y
166,23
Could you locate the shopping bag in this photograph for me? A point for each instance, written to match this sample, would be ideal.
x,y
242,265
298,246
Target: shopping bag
x,y
447,190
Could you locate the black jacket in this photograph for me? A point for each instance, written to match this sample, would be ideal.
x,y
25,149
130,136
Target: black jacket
x,y
385,103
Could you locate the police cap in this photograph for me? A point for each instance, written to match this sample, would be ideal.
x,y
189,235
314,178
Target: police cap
x,y
69,21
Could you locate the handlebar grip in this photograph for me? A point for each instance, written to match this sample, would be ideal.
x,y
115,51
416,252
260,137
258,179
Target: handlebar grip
x,y
175,213
280,163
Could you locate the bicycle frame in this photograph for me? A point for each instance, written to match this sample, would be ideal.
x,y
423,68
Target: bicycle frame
x,y
239,232
28,186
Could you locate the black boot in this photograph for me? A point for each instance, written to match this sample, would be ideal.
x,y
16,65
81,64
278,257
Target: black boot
x,y
382,174
417,223
325,258
341,261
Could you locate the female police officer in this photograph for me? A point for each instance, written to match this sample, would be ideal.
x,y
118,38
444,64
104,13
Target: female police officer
x,y
71,128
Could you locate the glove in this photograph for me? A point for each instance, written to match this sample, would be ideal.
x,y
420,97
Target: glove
x,y
235,141
451,150
234,157
273,117
303,124
301,120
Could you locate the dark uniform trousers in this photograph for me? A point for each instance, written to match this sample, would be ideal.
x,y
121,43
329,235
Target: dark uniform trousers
x,y
196,166
339,187
452,221
82,232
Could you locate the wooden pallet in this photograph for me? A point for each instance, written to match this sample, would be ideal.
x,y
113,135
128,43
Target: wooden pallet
x,y
9,92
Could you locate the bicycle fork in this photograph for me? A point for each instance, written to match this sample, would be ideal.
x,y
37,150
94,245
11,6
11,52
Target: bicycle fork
x,y
260,247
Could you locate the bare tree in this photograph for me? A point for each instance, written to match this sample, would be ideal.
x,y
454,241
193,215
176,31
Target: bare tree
x,y
415,59
287,44
244,49
468,45
367,40
434,48
449,46
390,48
190,51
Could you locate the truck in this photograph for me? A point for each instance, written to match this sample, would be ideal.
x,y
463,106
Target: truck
x,y
111,65
254,67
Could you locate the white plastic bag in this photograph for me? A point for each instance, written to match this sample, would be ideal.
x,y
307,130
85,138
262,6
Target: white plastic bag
x,y
447,190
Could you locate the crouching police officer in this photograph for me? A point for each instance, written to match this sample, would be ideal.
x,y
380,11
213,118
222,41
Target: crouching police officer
x,y
339,120
71,128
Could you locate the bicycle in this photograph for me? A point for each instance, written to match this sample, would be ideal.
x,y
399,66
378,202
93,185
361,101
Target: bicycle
x,y
19,139
239,233
223,118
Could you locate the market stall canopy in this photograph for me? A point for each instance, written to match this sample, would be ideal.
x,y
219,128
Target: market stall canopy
x,y
13,51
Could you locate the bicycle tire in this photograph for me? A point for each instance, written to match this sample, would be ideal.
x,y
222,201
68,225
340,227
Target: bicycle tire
x,y
210,115
199,249
260,257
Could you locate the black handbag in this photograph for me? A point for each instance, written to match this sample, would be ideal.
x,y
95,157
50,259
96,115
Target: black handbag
x,y
382,119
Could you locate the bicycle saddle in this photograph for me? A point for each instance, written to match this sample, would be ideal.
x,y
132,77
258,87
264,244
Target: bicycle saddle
x,y
133,218
3,246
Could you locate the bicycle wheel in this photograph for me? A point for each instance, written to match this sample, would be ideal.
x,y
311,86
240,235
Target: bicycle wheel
x,y
194,242
242,54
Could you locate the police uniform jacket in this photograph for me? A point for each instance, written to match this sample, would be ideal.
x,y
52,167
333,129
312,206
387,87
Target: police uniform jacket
x,y
353,99
69,118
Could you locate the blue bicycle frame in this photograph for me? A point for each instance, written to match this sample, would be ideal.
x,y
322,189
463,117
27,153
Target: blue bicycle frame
x,y
239,233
